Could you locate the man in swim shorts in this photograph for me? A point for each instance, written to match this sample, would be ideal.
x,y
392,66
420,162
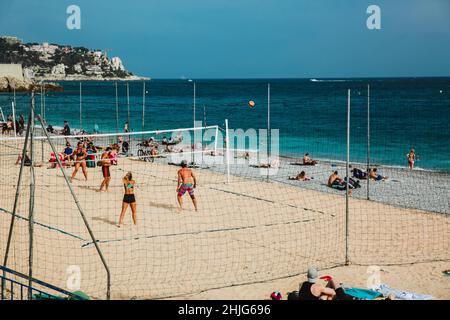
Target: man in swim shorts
x,y
187,182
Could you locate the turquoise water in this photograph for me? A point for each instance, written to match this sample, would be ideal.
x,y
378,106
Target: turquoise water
x,y
311,115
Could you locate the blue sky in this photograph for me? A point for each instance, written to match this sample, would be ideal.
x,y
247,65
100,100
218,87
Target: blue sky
x,y
248,38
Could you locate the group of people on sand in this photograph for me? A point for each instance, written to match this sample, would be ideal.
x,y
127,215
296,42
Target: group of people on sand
x,y
335,181
330,289
12,124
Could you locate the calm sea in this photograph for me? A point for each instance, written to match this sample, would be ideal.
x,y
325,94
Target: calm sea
x,y
310,115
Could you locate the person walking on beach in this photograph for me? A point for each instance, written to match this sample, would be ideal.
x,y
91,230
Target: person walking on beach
x,y
187,182
411,159
80,160
106,164
128,199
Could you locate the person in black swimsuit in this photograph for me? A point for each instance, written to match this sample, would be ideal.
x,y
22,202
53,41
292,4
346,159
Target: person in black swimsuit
x,y
128,199
80,160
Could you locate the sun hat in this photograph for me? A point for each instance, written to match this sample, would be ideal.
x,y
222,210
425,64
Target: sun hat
x,y
312,275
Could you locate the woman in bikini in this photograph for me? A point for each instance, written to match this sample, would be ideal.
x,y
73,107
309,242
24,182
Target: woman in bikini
x,y
80,160
128,199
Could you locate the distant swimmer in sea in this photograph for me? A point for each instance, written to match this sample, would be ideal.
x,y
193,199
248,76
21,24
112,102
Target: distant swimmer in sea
x,y
411,159
307,161
128,199
300,177
187,182
375,176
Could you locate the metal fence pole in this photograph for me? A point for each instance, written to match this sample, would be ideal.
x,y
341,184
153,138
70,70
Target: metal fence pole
x,y
194,118
227,151
117,109
269,142
81,109
17,195
347,190
31,203
143,107
80,209
368,141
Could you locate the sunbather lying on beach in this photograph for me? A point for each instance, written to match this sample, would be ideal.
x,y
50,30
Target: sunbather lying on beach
x,y
375,176
273,164
311,290
300,177
307,161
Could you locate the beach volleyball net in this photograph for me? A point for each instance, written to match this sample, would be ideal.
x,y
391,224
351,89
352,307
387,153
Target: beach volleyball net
x,y
253,224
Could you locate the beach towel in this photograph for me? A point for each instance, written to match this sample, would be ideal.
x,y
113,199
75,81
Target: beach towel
x,y
385,290
363,294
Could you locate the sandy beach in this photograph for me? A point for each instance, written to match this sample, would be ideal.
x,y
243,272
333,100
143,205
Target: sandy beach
x,y
247,231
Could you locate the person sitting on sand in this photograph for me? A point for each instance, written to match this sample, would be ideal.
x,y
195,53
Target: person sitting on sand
x,y
68,152
375,176
80,161
53,161
27,161
187,182
307,161
128,199
300,177
411,159
336,182
311,290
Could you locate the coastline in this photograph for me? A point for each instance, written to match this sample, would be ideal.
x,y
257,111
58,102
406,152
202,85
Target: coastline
x,y
89,78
